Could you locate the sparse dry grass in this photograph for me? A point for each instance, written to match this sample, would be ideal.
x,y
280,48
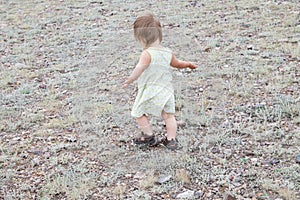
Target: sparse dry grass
x,y
66,128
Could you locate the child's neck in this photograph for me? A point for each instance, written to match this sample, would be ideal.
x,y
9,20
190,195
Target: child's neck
x,y
156,44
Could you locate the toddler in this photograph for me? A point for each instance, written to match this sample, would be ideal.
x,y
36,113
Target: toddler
x,y
155,91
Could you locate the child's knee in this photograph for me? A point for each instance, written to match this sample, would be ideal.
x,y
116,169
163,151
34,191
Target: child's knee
x,y
142,120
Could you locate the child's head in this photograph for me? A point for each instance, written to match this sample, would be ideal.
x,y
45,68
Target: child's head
x,y
147,30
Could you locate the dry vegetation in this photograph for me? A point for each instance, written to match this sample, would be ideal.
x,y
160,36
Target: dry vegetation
x,y
65,124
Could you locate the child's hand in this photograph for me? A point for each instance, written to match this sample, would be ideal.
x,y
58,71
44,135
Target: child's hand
x,y
126,83
192,66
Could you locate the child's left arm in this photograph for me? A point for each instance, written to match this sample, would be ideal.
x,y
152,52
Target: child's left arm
x,y
143,63
182,64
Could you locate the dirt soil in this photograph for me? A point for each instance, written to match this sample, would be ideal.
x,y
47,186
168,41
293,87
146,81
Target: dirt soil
x,y
65,125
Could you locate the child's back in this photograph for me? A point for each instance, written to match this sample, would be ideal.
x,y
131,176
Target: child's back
x,y
158,72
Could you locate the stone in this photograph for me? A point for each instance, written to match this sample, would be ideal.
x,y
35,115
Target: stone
x,y
198,194
228,152
298,158
189,194
164,179
229,197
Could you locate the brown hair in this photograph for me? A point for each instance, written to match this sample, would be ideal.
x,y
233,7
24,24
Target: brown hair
x,y
147,29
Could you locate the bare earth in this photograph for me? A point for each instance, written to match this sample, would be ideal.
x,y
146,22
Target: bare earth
x,y
65,124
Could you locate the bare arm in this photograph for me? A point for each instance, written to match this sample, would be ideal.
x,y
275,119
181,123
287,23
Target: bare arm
x,y
143,63
181,64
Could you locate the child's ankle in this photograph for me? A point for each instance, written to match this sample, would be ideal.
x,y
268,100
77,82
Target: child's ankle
x,y
171,138
147,134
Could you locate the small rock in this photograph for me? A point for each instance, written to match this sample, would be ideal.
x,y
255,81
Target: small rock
x,y
164,179
37,181
20,65
236,183
139,175
243,25
42,86
189,194
198,194
128,175
298,158
271,162
85,144
209,194
229,197
250,47
71,139
249,153
36,151
228,152
254,161
17,139
36,162
24,155
265,55
215,150
47,155
51,139
260,105
253,52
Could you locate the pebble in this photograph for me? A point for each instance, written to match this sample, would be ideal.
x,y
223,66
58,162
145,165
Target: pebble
x,y
51,139
128,175
253,52
271,162
36,151
228,152
189,194
47,155
42,86
229,197
198,194
71,139
17,139
298,158
20,65
164,179
249,47
254,161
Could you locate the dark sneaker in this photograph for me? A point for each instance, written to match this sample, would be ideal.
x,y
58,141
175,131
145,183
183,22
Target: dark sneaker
x,y
146,140
171,144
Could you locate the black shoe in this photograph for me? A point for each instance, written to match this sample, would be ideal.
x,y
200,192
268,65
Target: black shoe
x,y
144,139
172,144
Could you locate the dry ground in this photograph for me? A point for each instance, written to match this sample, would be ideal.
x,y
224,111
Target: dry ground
x,y
65,124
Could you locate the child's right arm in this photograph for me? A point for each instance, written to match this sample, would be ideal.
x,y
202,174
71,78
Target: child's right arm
x,y
143,63
181,64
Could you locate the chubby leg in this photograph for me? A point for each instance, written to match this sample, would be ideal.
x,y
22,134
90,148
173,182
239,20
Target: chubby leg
x,y
146,137
171,125
144,125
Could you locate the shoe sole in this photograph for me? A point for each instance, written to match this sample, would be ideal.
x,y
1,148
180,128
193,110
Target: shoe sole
x,y
152,142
